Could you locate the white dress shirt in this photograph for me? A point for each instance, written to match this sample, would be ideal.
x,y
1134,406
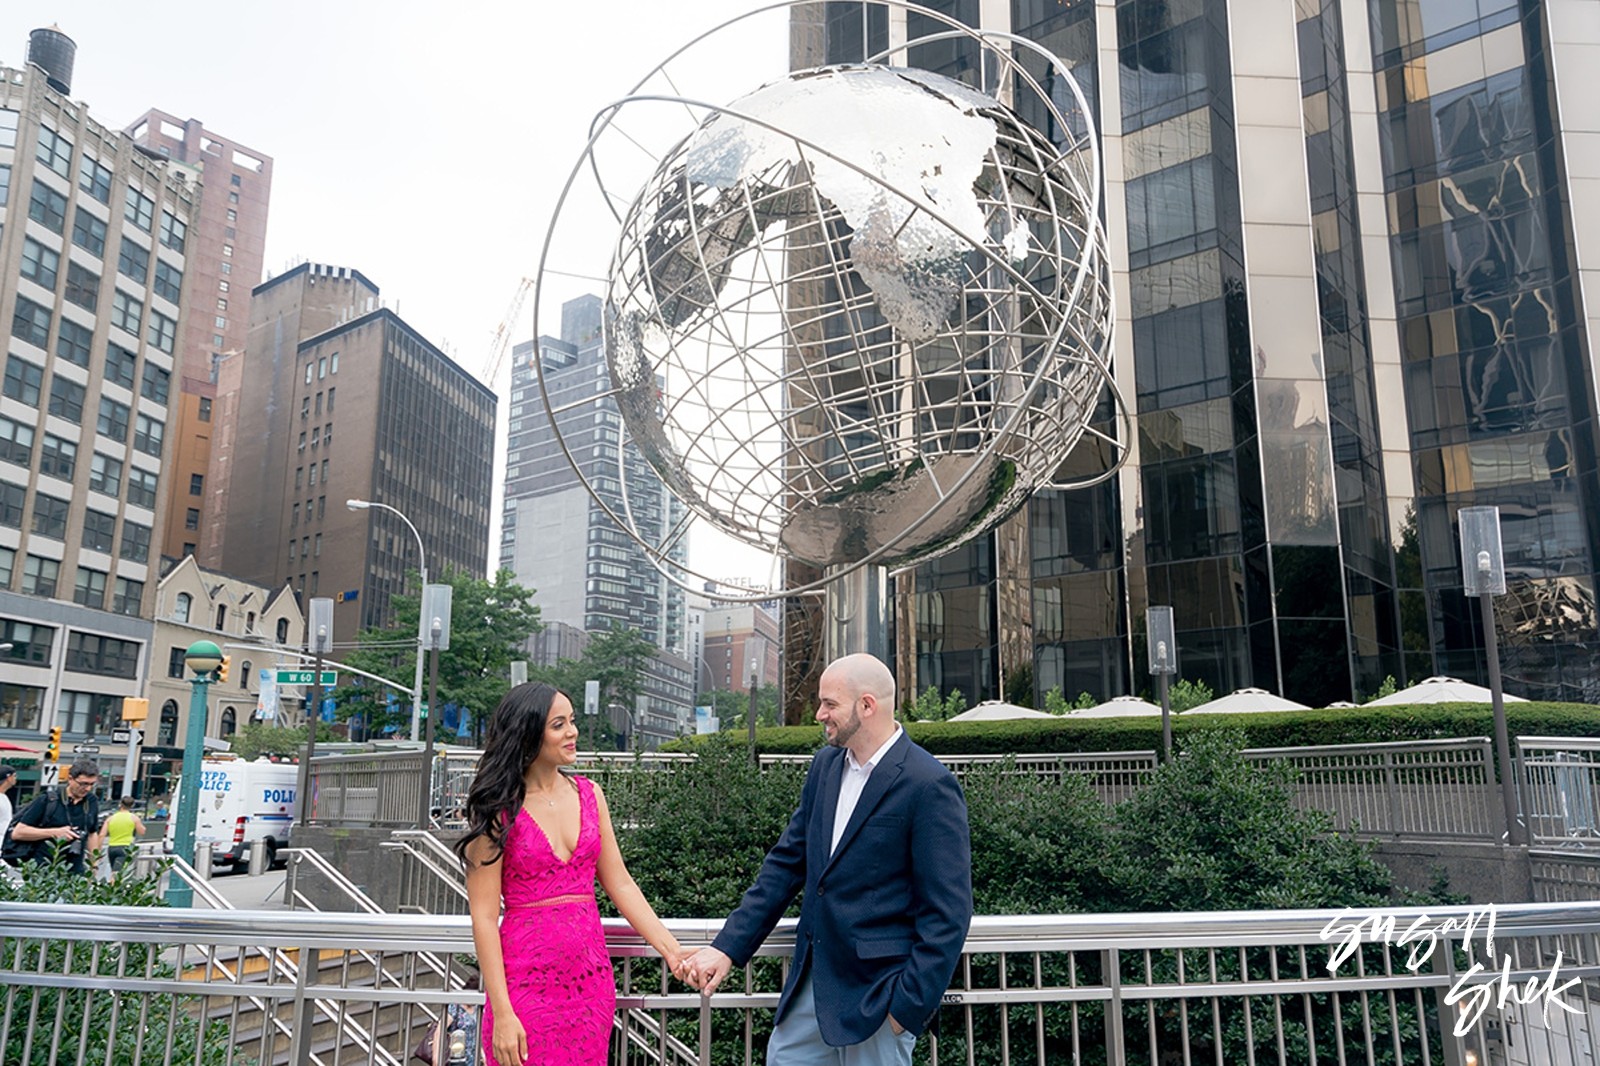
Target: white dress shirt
x,y
855,780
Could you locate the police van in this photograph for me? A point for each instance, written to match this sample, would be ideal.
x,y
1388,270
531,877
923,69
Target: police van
x,y
241,802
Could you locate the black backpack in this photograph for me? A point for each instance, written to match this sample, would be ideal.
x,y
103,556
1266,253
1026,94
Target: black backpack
x,y
16,852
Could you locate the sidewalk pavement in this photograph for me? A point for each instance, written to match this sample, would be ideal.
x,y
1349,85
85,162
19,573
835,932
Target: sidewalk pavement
x,y
264,892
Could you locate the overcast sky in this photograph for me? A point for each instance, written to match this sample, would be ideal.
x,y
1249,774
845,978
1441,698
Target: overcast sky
x,y
421,142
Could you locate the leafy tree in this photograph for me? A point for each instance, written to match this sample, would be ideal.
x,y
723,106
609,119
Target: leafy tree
x,y
490,623
616,658
930,707
1056,702
1019,686
264,738
734,707
101,1019
1185,694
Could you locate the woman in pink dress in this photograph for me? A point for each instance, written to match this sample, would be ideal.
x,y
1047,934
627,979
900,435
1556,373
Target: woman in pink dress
x,y
536,839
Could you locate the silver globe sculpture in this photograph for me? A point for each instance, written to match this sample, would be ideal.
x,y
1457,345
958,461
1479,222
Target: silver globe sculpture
x,y
860,314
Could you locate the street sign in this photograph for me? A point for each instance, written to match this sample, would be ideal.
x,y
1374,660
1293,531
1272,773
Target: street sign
x,y
86,749
126,736
307,677
152,756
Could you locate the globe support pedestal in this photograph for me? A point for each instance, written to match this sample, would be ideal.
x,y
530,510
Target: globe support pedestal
x,y
857,606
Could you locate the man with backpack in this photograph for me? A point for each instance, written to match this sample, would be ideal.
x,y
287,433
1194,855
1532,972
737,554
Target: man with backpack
x,y
61,823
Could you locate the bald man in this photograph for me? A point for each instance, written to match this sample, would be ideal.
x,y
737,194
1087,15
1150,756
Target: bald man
x,y
881,847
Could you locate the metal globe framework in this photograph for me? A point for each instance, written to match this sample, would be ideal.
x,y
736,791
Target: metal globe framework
x,y
858,315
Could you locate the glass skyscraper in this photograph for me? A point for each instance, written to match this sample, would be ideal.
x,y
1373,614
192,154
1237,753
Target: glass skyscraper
x,y
1349,245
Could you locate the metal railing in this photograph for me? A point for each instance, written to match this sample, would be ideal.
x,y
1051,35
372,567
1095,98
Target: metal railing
x,y
1560,790
1438,789
1242,987
377,789
236,965
1421,789
432,880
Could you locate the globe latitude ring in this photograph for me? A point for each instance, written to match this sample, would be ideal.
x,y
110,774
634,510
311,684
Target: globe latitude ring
x,y
862,313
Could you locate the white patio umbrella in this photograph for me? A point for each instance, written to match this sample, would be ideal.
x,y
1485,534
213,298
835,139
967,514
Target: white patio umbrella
x,y
1247,700
996,711
1120,707
1441,690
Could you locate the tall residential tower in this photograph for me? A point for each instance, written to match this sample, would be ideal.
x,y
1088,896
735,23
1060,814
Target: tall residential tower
x,y
585,571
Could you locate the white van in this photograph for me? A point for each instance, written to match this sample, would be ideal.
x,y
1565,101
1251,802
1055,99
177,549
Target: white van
x,y
241,802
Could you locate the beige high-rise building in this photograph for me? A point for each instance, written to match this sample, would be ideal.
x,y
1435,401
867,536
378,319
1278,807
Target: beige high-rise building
x,y
226,245
94,289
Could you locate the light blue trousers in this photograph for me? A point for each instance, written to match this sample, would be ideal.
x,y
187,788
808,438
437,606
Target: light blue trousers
x,y
798,1042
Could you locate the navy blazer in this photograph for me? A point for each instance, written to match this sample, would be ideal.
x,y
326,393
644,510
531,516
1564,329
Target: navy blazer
x,y
883,921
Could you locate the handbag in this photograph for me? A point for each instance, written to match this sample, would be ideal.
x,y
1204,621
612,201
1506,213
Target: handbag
x,y
424,1049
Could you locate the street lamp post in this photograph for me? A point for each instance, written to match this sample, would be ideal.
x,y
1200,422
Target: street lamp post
x,y
1483,573
321,624
754,761
422,624
1162,641
436,614
202,658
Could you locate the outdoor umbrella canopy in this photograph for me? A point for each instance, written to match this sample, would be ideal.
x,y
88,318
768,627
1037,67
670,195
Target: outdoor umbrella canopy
x,y
1441,690
1247,700
996,711
1119,707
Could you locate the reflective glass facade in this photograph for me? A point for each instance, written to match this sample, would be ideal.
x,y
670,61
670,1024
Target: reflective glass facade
x,y
1348,248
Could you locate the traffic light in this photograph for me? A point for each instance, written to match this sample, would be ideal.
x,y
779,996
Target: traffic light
x,y
222,668
52,750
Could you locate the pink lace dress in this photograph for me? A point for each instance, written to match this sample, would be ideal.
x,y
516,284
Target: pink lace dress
x,y
558,970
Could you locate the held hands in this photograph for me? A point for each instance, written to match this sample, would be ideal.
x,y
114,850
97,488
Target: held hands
x,y
674,955
705,969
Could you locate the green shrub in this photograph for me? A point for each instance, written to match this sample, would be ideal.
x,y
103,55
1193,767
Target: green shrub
x,y
1038,846
713,818
88,1014
1211,831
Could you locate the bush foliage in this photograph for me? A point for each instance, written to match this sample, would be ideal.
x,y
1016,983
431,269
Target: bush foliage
x,y
102,1022
1209,831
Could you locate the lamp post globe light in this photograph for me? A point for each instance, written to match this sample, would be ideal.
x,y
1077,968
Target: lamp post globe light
x,y
1483,574
203,657
422,633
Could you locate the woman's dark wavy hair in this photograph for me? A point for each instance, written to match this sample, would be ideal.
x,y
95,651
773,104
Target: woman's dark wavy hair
x,y
516,732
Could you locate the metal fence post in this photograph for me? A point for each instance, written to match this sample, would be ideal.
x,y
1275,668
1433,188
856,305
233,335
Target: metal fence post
x,y
1116,1043
1393,787
1495,810
304,1012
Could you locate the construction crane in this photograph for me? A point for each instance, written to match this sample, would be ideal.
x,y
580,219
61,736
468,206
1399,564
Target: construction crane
x,y
502,336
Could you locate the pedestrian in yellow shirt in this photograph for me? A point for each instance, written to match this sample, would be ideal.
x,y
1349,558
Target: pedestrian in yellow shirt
x,y
122,828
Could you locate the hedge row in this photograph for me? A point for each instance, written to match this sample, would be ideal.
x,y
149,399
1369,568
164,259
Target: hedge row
x,y
1284,729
